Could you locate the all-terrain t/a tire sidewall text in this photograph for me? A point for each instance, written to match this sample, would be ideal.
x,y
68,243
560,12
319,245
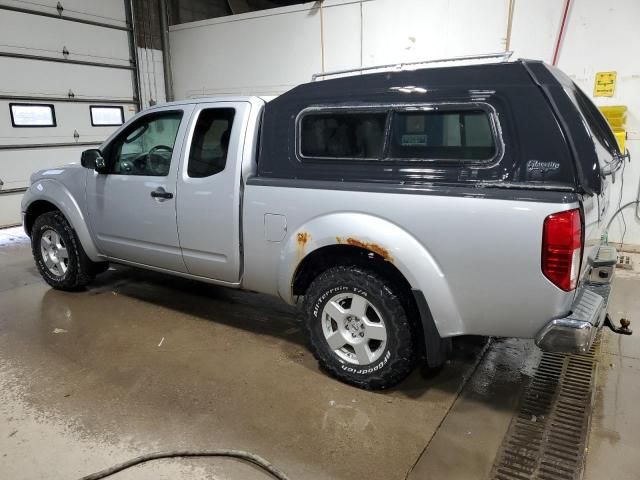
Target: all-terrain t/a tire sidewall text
x,y
395,362
318,307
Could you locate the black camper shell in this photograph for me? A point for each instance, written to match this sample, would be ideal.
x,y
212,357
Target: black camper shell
x,y
516,124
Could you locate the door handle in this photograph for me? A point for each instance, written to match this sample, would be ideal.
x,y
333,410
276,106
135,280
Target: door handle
x,y
161,193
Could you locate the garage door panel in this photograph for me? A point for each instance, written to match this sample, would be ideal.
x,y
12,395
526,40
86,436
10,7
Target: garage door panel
x,y
30,77
10,208
93,31
33,35
24,162
107,11
70,117
37,136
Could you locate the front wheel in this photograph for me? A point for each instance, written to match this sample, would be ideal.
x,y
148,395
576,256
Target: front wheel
x,y
58,253
358,328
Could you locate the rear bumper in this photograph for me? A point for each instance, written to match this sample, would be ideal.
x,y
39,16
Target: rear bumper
x,y
575,332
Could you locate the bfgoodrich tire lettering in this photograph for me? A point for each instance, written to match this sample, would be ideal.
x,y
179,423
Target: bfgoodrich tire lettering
x,y
391,348
79,269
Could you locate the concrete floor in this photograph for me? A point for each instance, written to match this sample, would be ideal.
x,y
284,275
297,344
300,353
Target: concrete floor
x,y
615,427
143,362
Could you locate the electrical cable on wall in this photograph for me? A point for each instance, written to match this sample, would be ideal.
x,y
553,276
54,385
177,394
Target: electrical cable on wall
x,y
149,50
322,34
561,33
510,10
146,57
153,61
322,55
361,36
622,207
145,36
632,202
624,232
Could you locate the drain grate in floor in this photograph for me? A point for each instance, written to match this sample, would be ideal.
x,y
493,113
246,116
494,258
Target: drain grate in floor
x,y
547,438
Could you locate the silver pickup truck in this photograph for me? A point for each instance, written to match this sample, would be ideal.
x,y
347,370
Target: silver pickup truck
x,y
399,208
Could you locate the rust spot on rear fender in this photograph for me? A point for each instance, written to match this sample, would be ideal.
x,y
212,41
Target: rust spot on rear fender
x,y
303,238
372,247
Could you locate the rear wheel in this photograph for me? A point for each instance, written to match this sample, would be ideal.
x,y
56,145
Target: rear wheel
x,y
58,253
358,328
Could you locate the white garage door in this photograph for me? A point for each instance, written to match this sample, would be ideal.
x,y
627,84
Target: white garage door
x,y
67,80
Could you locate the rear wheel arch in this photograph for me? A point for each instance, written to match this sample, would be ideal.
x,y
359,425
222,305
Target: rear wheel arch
x,y
327,239
432,346
339,255
330,256
397,245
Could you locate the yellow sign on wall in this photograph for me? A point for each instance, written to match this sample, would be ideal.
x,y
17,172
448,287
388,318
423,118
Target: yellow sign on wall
x,y
605,84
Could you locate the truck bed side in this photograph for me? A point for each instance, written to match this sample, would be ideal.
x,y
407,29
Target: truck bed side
x,y
474,253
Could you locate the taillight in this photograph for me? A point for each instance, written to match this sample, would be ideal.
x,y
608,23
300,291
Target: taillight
x,y
562,248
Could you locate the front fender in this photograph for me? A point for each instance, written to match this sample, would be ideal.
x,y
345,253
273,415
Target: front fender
x,y
384,238
56,193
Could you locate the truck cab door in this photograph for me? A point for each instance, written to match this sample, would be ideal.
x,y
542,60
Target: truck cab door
x,y
209,193
132,204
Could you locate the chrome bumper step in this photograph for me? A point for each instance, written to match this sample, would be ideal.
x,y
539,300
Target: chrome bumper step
x,y
575,332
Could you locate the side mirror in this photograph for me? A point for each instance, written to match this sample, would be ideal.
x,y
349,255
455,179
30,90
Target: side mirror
x,y
93,160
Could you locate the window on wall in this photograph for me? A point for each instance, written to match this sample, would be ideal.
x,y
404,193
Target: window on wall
x,y
342,134
32,115
442,135
106,116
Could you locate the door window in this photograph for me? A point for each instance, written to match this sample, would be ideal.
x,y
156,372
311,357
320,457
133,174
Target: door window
x,y
145,148
210,143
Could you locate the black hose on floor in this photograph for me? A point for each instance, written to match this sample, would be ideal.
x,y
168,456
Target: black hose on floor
x,y
240,454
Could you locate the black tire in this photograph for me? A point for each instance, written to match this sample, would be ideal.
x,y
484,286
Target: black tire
x,y
80,269
397,358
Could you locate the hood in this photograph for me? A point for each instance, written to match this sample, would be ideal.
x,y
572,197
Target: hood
x,y
55,173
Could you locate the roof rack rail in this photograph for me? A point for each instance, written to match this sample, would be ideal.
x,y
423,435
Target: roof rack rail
x,y
400,66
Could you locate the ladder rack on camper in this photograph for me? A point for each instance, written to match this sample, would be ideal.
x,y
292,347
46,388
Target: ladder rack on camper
x,y
401,66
